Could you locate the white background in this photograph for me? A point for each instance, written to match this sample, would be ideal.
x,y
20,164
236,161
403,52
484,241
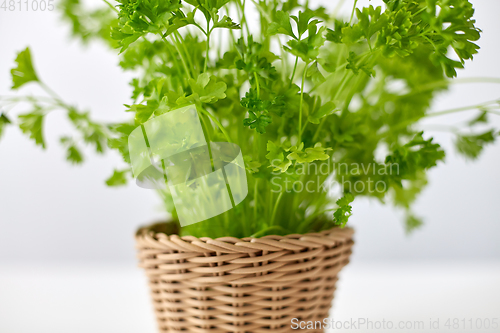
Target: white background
x,y
66,240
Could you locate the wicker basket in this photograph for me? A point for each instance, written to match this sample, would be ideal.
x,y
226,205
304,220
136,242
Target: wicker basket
x,y
242,285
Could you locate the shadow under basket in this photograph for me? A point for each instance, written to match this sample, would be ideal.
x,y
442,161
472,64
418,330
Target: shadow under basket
x,y
244,285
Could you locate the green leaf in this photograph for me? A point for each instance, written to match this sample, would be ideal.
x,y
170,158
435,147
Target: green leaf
x,y
344,210
3,122
32,124
323,111
24,71
206,89
471,146
136,19
407,193
89,23
412,223
276,158
354,65
118,178
317,153
281,25
482,118
225,22
213,91
74,155
120,144
251,165
315,74
335,35
407,162
142,112
93,133
180,20
257,122
307,49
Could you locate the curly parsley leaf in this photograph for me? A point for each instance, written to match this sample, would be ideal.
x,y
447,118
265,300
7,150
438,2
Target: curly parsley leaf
x,y
471,146
344,211
355,64
407,161
118,178
316,153
32,124
207,89
136,19
89,23
251,165
73,153
93,133
24,71
257,122
276,157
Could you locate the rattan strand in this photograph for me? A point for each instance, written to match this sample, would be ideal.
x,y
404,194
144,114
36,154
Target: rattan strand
x,y
244,285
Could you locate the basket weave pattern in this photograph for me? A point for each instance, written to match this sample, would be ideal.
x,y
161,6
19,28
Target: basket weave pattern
x,y
242,285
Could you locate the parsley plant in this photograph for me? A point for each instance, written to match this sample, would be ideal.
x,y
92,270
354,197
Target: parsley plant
x,y
295,86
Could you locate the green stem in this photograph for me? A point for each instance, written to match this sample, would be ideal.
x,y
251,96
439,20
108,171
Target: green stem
x,y
176,66
255,199
217,123
243,17
441,128
15,99
206,129
263,232
337,8
432,43
341,87
418,12
302,102
184,64
262,11
362,56
294,69
51,92
284,62
257,83
447,82
111,6
442,113
180,40
275,209
353,10
466,108
207,49
313,110
313,216
315,137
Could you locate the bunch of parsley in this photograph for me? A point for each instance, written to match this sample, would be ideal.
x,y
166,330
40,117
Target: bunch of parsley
x,y
295,86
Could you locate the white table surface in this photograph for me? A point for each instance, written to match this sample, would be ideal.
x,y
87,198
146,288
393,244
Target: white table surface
x,y
114,298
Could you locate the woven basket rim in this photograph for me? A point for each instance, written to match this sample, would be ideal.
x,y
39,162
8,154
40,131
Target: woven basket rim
x,y
228,245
